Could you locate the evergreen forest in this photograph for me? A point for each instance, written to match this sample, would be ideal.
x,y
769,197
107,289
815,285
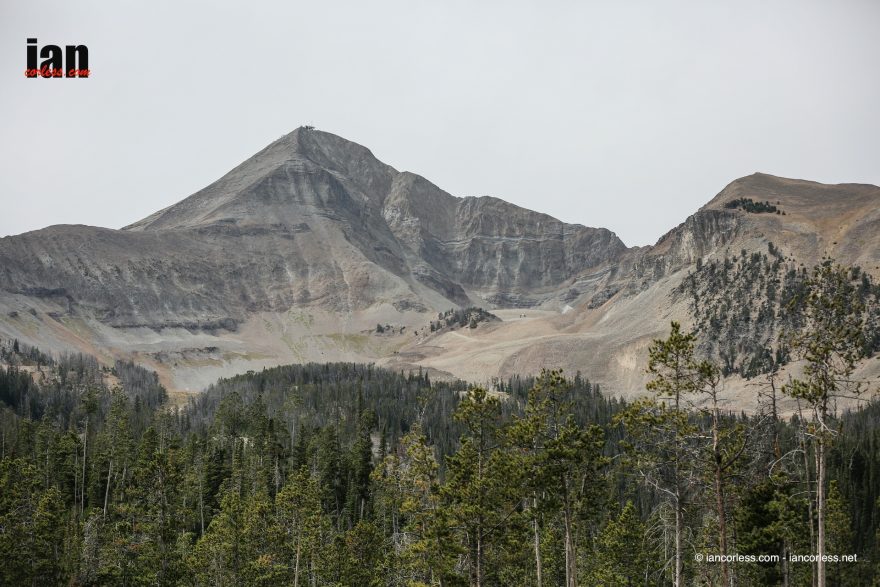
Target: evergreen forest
x,y
353,475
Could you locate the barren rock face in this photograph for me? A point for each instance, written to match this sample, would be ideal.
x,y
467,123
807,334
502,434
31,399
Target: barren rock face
x,y
299,252
312,220
501,251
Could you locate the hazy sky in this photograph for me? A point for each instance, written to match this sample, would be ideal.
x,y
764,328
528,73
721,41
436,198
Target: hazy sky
x,y
623,114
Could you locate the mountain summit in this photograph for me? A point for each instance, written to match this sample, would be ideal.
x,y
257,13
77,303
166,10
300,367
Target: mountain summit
x,y
338,209
301,250
304,169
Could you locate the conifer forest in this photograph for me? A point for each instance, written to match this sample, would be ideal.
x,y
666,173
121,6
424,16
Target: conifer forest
x,y
347,474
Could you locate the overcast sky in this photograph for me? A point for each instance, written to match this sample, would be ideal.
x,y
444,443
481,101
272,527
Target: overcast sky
x,y
622,114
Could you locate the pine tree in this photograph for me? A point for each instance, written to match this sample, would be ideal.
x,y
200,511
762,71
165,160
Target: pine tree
x,y
620,555
302,525
409,493
155,491
363,559
722,452
31,525
262,553
362,464
830,345
482,484
217,558
839,535
563,459
659,434
770,519
331,473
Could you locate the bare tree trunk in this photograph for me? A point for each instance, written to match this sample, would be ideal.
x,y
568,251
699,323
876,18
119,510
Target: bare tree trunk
x,y
679,514
719,499
809,490
479,557
777,451
201,505
296,566
810,510
82,504
785,570
722,525
538,568
480,521
570,558
107,490
678,540
820,511
75,478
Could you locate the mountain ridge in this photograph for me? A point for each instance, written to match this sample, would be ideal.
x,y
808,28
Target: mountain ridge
x,y
300,250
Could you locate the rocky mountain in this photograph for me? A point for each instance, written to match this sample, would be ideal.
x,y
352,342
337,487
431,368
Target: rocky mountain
x,y
310,221
617,310
301,251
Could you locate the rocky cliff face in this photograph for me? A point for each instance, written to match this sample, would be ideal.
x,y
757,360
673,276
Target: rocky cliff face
x,y
312,220
298,253
610,313
528,253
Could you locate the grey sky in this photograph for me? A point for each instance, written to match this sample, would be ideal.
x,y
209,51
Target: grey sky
x,y
627,115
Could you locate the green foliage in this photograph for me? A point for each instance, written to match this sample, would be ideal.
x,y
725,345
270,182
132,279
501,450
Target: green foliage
x,y
751,206
747,307
14,352
218,558
304,530
770,519
832,341
31,525
481,486
621,556
348,474
840,536
460,318
673,368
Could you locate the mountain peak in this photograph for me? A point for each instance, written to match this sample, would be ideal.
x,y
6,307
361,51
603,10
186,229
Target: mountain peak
x,y
307,141
305,167
794,194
